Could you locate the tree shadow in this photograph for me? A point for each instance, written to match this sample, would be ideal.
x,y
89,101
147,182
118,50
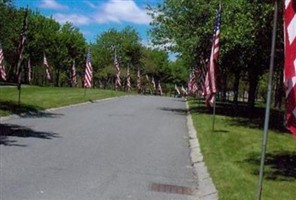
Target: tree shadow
x,y
279,166
8,132
175,110
16,109
25,110
243,115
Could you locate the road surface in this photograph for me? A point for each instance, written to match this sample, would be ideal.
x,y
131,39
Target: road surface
x,y
133,147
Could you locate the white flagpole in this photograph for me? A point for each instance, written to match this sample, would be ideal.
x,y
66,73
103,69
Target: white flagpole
x,y
267,110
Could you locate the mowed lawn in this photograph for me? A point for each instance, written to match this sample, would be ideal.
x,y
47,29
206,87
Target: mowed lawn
x,y
36,99
232,153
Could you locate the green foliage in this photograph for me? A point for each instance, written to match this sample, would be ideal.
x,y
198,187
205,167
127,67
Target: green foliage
x,y
245,36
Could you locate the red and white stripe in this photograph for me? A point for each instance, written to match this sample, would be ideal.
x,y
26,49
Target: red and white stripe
x,y
159,88
117,69
29,70
192,86
73,74
177,89
210,79
88,71
183,90
2,67
128,80
153,83
290,63
45,63
138,80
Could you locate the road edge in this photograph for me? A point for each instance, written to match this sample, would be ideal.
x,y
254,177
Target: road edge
x,y
206,187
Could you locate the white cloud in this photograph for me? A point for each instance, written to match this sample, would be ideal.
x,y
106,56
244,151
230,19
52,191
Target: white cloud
x,y
73,18
112,11
52,4
91,5
119,10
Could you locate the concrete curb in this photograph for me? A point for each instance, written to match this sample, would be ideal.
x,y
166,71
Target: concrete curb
x,y
14,116
206,187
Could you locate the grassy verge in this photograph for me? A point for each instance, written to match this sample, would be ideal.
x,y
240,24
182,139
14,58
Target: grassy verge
x,y
232,154
40,98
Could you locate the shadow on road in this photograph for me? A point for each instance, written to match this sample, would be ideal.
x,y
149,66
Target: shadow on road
x,y
175,110
9,132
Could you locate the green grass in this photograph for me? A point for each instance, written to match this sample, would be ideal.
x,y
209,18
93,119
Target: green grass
x,y
232,154
36,99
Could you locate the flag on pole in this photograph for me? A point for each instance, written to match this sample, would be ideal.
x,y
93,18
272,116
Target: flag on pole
x,y
46,66
138,80
177,90
159,88
117,69
192,86
21,47
73,74
29,70
2,67
153,83
128,79
210,79
201,77
183,90
290,63
88,71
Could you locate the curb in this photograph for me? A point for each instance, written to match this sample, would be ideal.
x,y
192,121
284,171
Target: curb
x,y
206,187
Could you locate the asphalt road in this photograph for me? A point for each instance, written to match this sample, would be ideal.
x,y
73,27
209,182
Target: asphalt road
x,y
125,148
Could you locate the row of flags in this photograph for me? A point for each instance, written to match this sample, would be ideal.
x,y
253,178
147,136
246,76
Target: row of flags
x,y
203,80
73,76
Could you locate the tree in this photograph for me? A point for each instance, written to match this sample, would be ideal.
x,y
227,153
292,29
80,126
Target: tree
x,y
126,44
244,38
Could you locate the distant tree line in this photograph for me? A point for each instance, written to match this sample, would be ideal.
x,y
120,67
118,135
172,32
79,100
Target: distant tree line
x,y
64,43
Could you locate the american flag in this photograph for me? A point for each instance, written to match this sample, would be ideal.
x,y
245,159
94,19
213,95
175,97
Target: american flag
x,y
183,90
147,77
138,80
201,76
192,86
2,67
159,88
73,74
21,47
128,79
46,66
29,70
290,63
88,71
177,89
153,83
210,79
117,69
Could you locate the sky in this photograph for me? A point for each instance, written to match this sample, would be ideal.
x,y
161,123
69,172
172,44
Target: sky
x,y
94,17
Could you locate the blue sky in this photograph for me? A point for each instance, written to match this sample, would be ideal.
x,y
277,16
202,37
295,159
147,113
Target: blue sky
x,y
94,17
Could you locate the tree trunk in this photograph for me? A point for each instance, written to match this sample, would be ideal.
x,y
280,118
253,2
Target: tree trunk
x,y
279,91
253,83
236,86
57,82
